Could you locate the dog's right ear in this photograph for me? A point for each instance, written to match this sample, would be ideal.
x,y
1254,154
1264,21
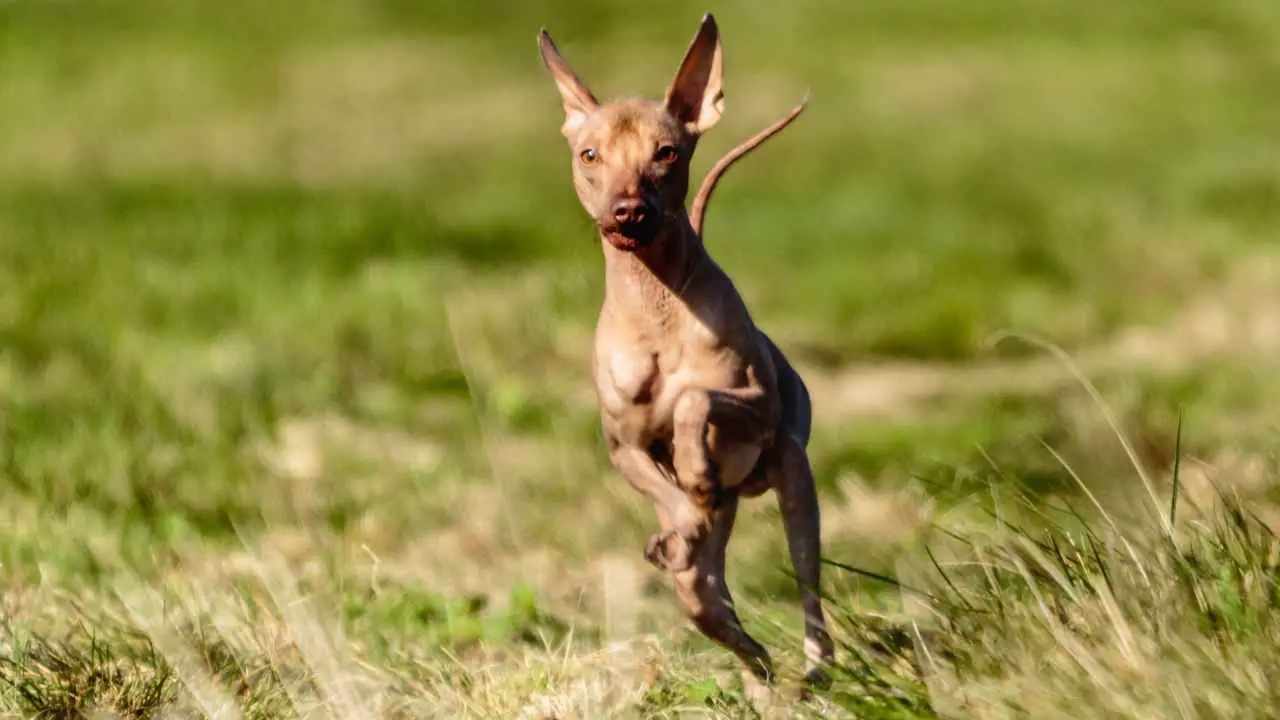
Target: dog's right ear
x,y
577,99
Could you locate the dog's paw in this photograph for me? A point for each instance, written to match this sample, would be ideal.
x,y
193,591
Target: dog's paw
x,y
670,551
654,553
815,678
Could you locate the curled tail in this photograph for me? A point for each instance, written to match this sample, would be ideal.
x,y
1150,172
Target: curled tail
x,y
698,210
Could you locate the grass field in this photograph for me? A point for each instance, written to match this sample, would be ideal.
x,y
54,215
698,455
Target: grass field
x,y
295,310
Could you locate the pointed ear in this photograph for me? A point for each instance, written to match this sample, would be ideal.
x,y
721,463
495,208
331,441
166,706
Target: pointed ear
x,y
696,94
577,99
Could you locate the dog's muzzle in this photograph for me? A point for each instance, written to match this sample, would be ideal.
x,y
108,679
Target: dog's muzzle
x,y
633,224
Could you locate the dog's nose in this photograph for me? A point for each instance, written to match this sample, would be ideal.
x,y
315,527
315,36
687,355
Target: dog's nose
x,y
630,211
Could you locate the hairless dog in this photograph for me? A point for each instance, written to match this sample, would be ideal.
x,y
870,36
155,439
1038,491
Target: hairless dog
x,y
699,408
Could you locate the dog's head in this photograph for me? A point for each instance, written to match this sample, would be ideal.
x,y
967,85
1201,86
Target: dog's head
x,y
631,157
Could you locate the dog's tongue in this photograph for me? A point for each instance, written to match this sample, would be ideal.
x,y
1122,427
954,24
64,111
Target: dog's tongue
x,y
621,241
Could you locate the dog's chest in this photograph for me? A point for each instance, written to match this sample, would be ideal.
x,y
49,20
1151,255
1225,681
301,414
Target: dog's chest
x,y
638,389
645,361
635,376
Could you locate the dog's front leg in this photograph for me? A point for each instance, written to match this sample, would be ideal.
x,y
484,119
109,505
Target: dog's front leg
x,y
710,424
684,526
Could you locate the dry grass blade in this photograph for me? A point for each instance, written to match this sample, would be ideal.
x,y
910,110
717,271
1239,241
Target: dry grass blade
x,y
1105,408
147,608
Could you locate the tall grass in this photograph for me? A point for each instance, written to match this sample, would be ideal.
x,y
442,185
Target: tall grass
x,y
1069,614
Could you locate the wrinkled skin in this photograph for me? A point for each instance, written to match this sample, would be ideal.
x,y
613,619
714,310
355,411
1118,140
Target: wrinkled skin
x,y
698,406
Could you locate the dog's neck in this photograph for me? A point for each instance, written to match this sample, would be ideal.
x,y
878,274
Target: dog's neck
x,y
646,284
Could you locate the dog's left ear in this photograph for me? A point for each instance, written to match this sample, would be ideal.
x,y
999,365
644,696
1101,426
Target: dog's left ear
x,y
696,94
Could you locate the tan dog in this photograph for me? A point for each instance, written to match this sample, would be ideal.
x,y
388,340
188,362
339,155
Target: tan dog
x,y
698,406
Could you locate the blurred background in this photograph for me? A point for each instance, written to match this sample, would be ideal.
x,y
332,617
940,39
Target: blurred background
x,y
308,281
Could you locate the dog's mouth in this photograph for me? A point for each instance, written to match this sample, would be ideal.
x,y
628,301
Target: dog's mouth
x,y
630,236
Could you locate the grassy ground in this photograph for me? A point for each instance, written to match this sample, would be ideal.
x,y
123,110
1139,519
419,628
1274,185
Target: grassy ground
x,y
295,303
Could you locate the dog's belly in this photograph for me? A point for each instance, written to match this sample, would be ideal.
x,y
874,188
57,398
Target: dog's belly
x,y
735,461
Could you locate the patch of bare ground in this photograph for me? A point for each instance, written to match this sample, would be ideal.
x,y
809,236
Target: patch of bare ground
x,y
300,453
1235,321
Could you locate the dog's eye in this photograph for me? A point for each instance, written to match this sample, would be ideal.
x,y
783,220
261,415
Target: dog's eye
x,y
589,156
666,154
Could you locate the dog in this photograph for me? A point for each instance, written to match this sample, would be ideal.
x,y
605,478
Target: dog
x,y
698,406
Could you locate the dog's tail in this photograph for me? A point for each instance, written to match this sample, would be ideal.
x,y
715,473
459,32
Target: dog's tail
x,y
698,210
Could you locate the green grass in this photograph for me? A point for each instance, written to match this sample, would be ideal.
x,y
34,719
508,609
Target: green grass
x,y
296,299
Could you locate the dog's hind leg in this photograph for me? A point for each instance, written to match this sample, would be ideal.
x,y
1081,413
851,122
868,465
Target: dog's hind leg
x,y
786,469
791,477
704,596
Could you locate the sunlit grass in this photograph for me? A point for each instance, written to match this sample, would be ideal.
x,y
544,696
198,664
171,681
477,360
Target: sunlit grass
x,y
295,312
